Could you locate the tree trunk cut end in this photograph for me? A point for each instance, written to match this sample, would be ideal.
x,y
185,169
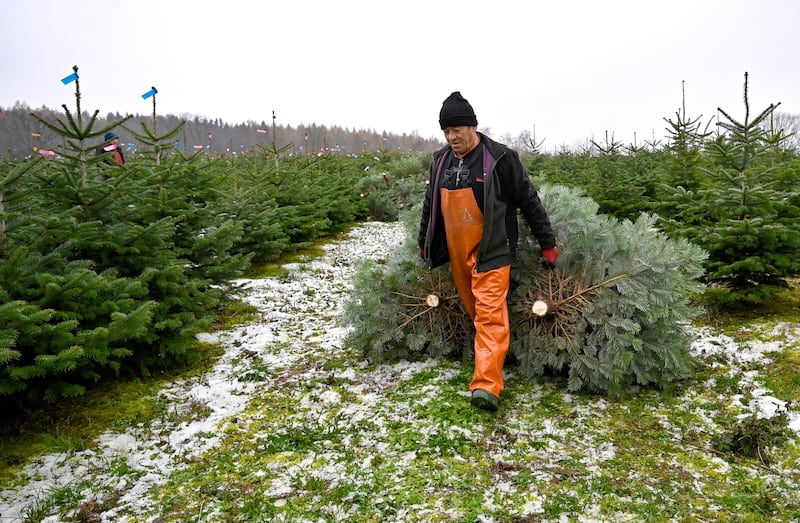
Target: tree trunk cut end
x,y
542,308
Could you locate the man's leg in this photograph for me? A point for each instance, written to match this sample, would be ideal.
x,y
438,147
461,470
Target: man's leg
x,y
492,329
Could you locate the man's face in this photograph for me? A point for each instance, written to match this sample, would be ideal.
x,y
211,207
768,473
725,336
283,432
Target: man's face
x,y
462,139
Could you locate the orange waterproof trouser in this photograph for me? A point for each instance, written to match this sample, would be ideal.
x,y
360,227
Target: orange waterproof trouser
x,y
482,293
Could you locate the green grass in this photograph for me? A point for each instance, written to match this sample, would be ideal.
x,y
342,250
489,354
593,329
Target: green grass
x,y
276,269
782,375
73,424
424,455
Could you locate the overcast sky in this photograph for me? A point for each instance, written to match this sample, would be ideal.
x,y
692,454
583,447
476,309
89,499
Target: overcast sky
x,y
570,69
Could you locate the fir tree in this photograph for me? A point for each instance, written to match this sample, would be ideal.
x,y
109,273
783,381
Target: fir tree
x,y
745,218
399,309
685,148
616,303
76,133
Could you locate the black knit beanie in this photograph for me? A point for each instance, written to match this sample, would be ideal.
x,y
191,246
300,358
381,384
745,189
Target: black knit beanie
x,y
456,111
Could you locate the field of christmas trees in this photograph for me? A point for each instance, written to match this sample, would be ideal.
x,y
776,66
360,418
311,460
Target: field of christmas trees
x,y
111,274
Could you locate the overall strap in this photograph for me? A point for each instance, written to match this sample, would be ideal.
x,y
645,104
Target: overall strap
x,y
488,168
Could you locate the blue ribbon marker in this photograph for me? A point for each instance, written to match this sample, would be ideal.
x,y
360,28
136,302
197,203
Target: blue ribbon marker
x,y
69,79
149,93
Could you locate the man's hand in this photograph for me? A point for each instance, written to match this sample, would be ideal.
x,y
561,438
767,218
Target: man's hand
x,y
551,255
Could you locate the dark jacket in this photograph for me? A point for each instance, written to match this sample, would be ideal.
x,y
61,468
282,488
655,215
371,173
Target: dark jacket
x,y
114,157
507,187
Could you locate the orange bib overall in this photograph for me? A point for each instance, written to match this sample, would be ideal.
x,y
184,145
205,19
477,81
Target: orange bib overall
x,y
483,293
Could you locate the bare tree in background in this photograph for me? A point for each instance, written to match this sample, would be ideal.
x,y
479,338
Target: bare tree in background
x,y
790,123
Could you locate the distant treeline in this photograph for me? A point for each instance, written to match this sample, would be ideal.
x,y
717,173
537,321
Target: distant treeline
x,y
22,136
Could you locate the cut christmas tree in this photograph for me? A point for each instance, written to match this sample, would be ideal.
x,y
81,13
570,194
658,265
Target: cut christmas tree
x,y
613,311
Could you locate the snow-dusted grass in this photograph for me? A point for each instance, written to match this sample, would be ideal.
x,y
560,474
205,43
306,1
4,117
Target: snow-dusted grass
x,y
291,426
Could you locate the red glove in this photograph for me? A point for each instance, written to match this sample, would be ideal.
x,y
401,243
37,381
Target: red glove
x,y
422,253
551,255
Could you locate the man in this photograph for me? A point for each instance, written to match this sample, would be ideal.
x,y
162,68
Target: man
x,y
111,145
469,219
